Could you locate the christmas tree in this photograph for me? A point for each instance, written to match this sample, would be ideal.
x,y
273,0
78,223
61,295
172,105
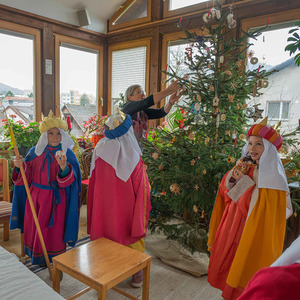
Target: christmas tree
x,y
187,160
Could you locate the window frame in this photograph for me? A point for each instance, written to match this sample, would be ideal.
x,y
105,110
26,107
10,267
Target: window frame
x,y
280,109
61,39
123,46
121,10
37,68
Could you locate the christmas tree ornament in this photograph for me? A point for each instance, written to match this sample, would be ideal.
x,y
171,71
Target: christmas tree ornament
x,y
221,59
254,89
196,187
175,189
233,85
244,106
199,98
206,140
202,214
223,117
191,135
265,84
204,171
227,132
155,155
161,167
254,60
217,123
216,101
242,137
193,162
211,87
228,72
197,107
231,97
257,114
205,17
173,119
195,209
230,20
163,193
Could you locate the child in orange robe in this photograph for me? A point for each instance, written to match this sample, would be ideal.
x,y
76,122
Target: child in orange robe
x,y
247,226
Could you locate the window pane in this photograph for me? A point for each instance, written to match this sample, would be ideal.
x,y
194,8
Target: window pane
x,y
128,68
281,86
135,11
273,110
175,4
285,110
16,77
78,85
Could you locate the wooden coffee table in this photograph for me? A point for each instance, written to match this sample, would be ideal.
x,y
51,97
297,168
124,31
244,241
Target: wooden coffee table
x,y
102,264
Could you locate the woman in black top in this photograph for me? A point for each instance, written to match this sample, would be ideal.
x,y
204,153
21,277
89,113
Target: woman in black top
x,y
138,107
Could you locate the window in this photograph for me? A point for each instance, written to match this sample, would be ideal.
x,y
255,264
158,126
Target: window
x,y
179,7
129,66
79,84
282,86
176,4
20,85
132,12
278,110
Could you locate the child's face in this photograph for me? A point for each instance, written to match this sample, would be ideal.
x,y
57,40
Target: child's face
x,y
54,137
255,147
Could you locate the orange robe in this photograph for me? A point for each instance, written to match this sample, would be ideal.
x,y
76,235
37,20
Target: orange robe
x,y
241,243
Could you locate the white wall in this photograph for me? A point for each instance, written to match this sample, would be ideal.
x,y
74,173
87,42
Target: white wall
x,y
284,86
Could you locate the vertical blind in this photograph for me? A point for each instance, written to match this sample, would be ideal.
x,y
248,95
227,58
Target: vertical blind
x,y
128,68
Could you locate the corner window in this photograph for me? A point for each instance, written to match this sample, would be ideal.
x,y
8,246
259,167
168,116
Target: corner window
x,y
278,110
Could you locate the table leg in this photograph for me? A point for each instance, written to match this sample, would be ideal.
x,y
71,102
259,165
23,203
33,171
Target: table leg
x,y
56,278
102,291
146,281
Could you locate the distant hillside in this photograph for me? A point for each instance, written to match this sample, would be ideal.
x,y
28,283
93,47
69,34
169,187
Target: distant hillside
x,y
5,88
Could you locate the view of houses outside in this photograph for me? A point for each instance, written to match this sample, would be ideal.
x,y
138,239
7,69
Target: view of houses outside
x,y
280,100
78,82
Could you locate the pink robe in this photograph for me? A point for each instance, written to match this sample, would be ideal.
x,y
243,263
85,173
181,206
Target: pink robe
x,y
118,210
42,200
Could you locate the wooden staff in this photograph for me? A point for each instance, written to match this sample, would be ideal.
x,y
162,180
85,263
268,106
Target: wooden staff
x,y
38,228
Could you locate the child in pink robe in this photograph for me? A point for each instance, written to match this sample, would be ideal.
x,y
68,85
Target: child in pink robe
x,y
118,199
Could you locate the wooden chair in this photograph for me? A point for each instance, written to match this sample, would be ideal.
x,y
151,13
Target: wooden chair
x,y
86,159
5,205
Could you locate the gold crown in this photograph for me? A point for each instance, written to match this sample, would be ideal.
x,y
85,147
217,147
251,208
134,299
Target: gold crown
x,y
116,119
52,121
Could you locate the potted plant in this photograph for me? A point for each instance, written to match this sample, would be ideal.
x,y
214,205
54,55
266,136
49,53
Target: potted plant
x,y
26,135
94,127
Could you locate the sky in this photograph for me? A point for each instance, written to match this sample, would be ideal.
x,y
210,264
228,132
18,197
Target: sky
x,y
78,68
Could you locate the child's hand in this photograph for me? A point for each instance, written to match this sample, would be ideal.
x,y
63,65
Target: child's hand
x,y
237,174
18,161
243,166
61,159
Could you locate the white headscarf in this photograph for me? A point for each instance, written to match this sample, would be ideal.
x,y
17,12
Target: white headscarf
x,y
290,256
66,142
271,173
122,153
